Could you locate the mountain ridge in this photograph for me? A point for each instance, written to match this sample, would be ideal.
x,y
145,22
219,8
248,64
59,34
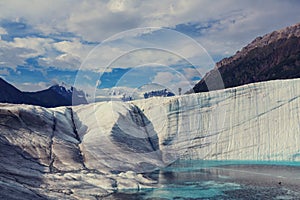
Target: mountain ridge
x,y
261,41
275,55
53,96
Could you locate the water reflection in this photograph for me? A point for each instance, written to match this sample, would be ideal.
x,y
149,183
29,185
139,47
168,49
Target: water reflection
x,y
221,180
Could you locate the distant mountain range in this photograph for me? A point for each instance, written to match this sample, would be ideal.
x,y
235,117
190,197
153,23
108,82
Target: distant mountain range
x,y
54,96
274,56
158,93
129,94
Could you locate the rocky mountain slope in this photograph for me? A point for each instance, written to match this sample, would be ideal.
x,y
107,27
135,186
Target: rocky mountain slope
x,y
52,97
274,56
57,95
90,151
10,94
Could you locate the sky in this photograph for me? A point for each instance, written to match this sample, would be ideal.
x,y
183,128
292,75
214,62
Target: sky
x,y
116,43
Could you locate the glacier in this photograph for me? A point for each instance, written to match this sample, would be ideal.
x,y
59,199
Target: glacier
x,y
258,121
90,151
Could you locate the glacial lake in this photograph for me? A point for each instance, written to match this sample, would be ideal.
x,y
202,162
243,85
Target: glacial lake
x,y
221,180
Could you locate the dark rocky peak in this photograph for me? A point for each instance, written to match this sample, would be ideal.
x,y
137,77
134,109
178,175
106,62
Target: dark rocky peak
x,y
262,41
274,56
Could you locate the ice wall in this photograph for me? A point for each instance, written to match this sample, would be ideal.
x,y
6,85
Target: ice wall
x,y
258,121
116,136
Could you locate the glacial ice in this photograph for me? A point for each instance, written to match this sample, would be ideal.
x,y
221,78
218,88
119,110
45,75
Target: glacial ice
x,y
92,150
258,121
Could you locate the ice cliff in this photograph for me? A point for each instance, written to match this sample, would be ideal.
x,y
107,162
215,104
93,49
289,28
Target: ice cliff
x,y
258,121
92,150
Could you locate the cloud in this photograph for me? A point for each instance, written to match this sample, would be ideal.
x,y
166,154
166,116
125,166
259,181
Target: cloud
x,y
73,48
34,46
174,80
117,6
98,83
12,57
2,31
141,47
235,29
32,87
97,20
60,34
16,52
45,51
191,73
4,72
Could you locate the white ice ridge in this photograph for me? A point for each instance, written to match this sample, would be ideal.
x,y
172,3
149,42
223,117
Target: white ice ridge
x,y
91,150
258,121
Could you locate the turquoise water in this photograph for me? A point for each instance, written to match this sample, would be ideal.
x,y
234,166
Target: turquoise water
x,y
198,179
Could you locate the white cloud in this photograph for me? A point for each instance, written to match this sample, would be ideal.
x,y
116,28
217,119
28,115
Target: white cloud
x,y
2,31
16,52
190,73
231,25
34,46
142,47
4,72
11,57
247,21
62,55
96,20
32,87
98,83
173,81
73,48
117,5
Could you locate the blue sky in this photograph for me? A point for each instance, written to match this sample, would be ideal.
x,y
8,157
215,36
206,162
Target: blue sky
x,y
106,43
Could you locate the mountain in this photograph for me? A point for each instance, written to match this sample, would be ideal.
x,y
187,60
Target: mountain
x,y
10,94
52,97
57,96
274,56
80,153
129,94
158,93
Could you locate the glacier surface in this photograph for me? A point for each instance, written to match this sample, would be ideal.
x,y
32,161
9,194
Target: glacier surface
x,y
89,151
258,121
